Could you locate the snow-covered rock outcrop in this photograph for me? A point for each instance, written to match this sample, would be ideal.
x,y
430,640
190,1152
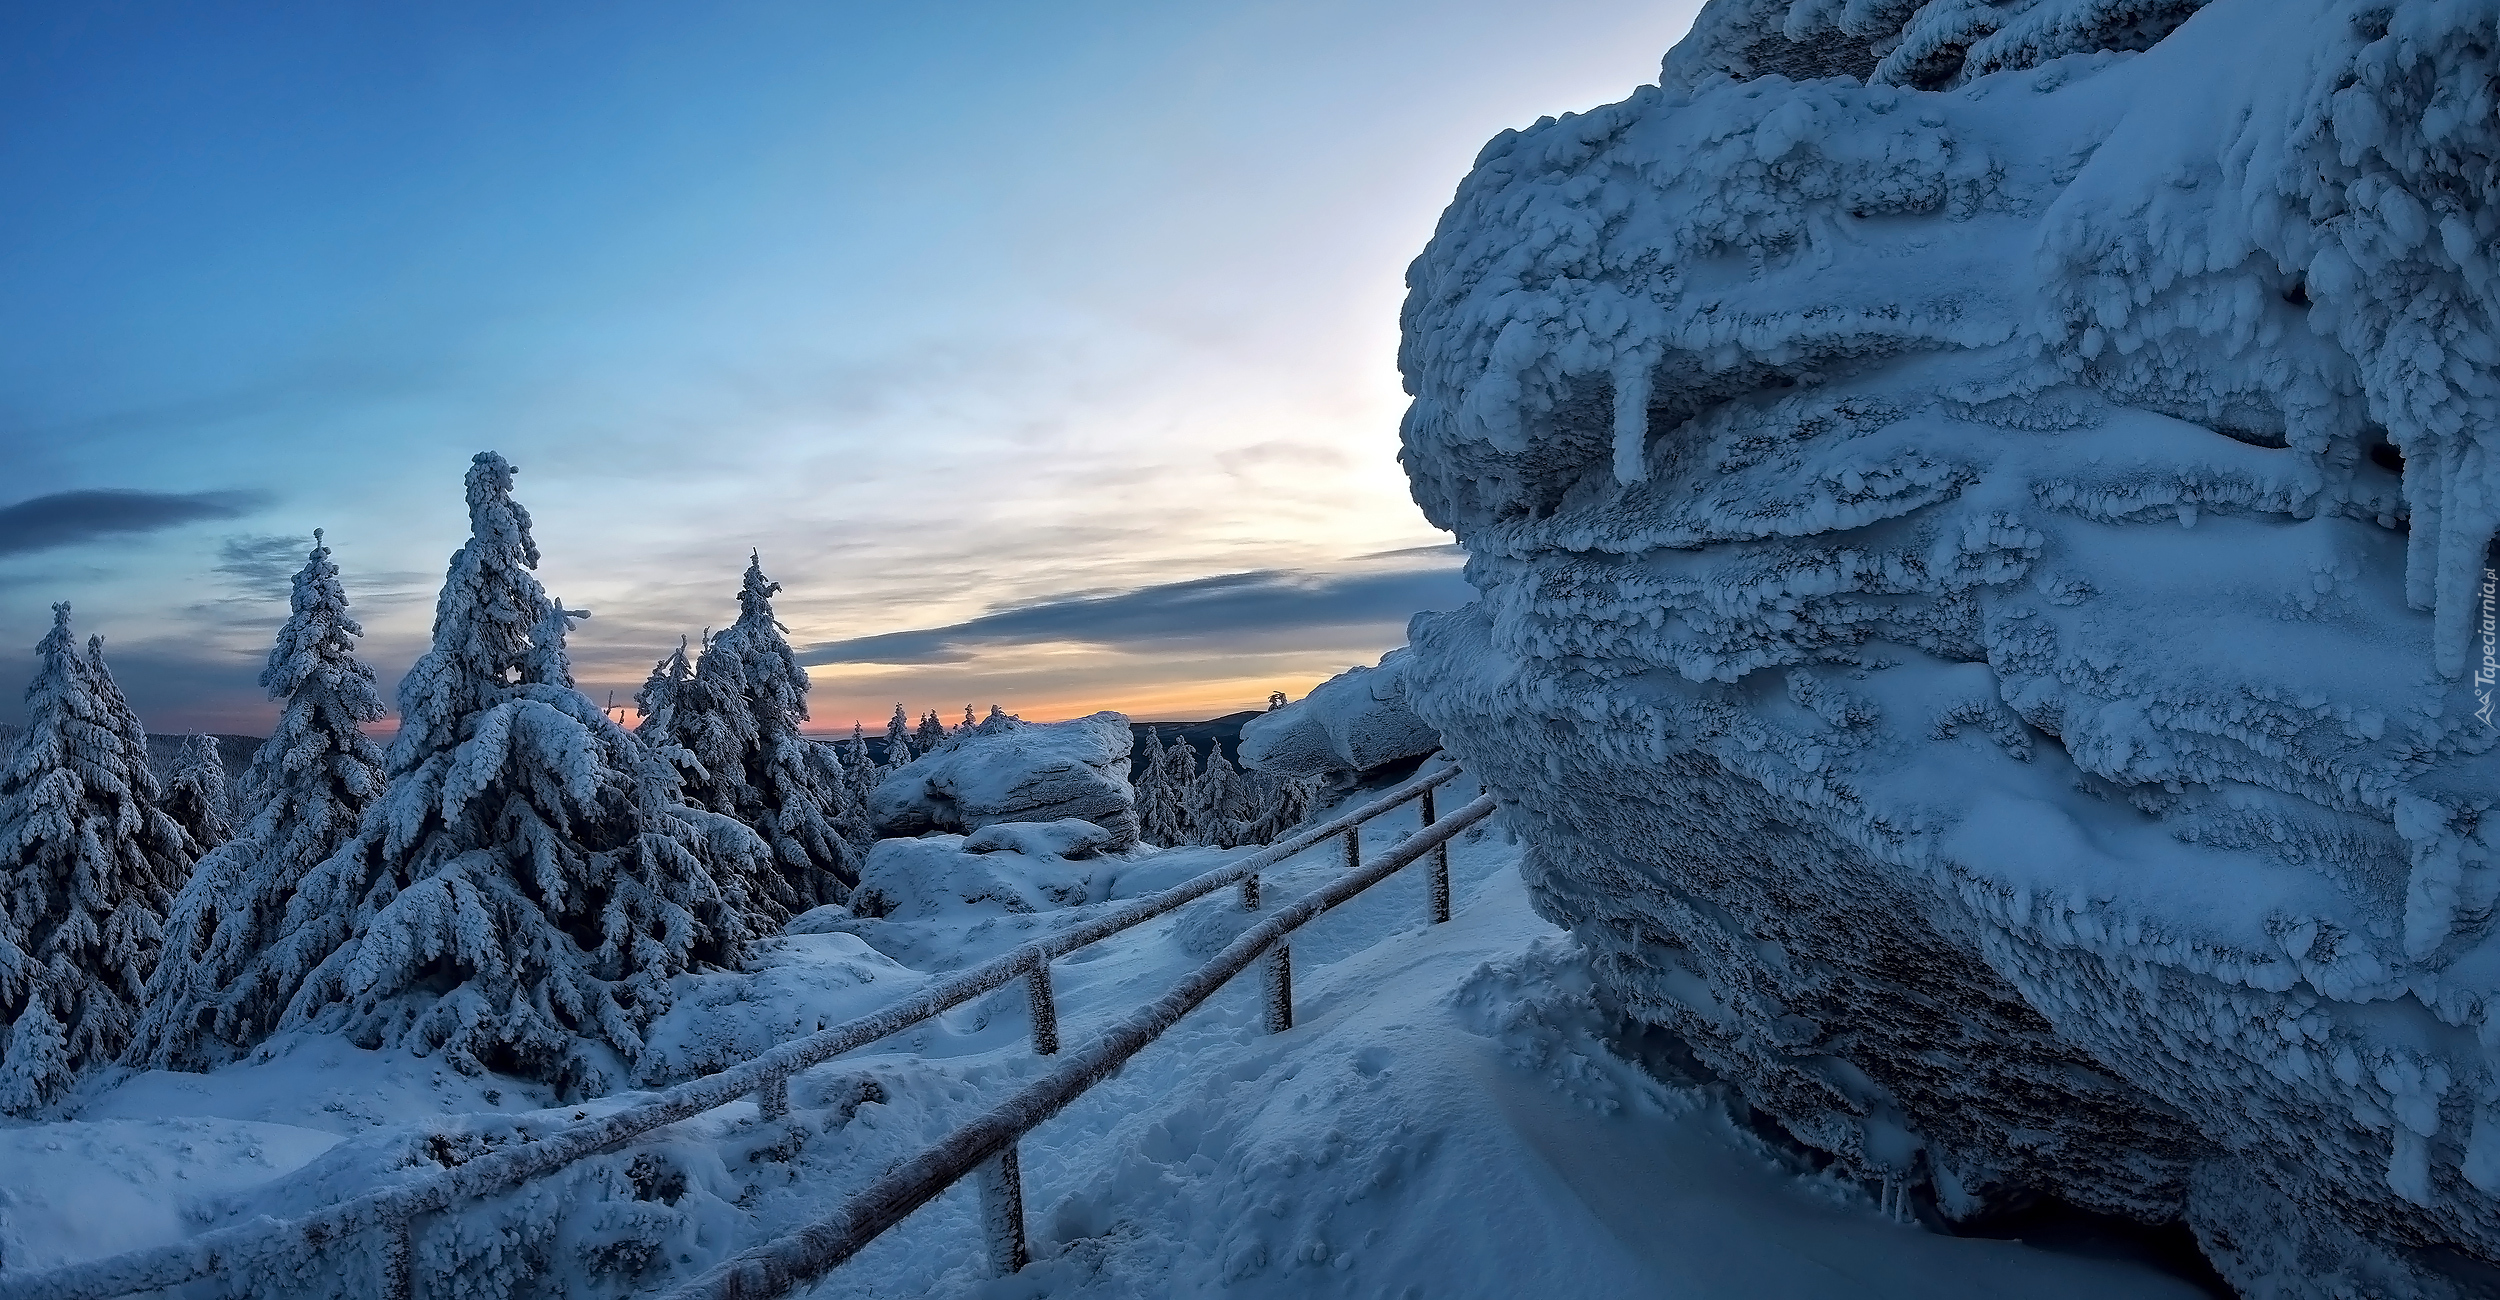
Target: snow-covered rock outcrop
x,y
1003,869
1016,772
1353,722
1983,579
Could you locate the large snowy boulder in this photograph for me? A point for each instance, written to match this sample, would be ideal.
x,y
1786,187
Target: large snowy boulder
x,y
1981,565
1016,772
1006,868
1353,722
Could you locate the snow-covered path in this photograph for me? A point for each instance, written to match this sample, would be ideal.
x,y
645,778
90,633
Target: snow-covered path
x,y
1444,1120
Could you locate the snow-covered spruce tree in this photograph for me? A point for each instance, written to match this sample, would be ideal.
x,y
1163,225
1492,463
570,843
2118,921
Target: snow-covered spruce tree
x,y
88,868
898,750
1220,804
670,682
998,721
1283,803
791,790
195,794
1158,803
1180,772
965,727
930,734
530,880
216,991
862,770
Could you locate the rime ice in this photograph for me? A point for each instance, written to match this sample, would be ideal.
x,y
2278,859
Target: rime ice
x,y
1979,558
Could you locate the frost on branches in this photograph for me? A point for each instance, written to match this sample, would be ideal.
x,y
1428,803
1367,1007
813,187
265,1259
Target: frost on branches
x,y
88,867
1160,817
739,719
1980,563
529,882
195,794
218,989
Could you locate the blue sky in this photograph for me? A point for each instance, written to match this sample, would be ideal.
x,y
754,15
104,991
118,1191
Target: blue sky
x,y
1047,353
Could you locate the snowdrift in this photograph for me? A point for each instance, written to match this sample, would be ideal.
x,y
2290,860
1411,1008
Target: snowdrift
x,y
1980,514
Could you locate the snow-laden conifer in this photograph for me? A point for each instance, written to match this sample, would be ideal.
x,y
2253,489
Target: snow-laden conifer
x,y
1159,817
217,989
998,721
793,791
1220,804
1180,772
898,750
1283,802
656,704
863,772
930,734
88,868
195,794
530,881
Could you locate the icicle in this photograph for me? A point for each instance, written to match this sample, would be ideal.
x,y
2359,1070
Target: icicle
x,y
1632,384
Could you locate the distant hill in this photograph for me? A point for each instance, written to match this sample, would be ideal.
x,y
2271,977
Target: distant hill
x,y
1224,731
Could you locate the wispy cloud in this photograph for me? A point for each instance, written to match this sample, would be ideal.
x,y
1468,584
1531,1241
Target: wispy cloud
x,y
1263,605
262,565
68,518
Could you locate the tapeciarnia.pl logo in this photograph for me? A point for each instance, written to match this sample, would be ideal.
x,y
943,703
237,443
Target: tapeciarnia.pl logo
x,y
2490,666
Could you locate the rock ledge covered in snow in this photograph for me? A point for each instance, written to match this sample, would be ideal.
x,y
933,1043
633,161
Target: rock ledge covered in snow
x,y
1019,772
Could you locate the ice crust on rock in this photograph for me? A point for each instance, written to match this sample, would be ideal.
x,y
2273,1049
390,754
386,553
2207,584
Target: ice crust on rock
x,y
1980,561
1353,722
1007,770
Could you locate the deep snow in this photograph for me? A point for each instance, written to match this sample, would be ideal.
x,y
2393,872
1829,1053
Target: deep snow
x,y
1446,1119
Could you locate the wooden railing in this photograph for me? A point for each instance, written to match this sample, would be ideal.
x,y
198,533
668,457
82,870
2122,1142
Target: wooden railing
x,y
390,1214
988,1145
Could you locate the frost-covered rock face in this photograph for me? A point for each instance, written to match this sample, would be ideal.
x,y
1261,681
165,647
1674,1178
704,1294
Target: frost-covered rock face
x,y
1013,771
1353,722
1982,587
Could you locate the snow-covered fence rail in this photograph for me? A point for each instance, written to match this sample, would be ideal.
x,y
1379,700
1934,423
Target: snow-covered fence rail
x,y
390,1213
987,1146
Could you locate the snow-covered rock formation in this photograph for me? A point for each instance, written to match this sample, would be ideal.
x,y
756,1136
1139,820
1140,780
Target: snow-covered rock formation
x,y
1353,722
1012,771
1003,869
1982,515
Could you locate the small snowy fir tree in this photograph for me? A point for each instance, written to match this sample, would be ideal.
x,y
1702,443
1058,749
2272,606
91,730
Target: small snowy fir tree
x,y
1220,804
1158,804
863,770
216,991
529,882
930,734
1180,772
88,868
1283,803
711,721
967,726
898,750
998,721
195,795
791,790
670,682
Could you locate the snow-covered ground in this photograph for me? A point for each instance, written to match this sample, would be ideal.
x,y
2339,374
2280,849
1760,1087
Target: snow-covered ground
x,y
1446,1119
